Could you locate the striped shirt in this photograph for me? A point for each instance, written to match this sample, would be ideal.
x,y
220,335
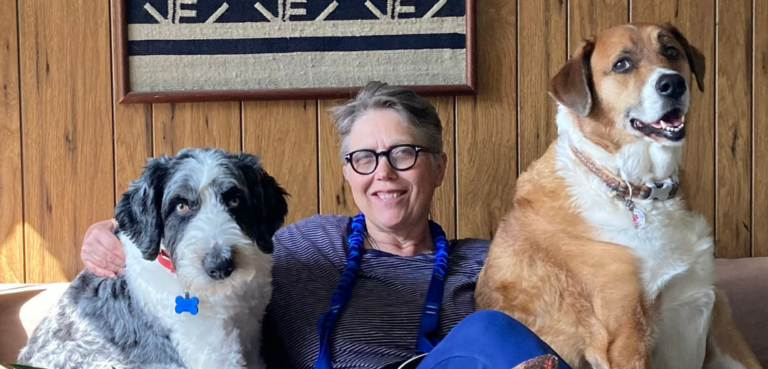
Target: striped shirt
x,y
380,323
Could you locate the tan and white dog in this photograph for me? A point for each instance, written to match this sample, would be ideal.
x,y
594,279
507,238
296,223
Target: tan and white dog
x,y
601,256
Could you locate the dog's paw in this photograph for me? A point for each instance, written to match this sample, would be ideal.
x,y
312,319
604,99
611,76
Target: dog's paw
x,y
540,362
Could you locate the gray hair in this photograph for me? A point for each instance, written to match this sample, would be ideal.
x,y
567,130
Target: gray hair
x,y
414,111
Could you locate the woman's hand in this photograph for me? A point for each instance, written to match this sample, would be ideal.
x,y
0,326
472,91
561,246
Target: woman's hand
x,y
102,253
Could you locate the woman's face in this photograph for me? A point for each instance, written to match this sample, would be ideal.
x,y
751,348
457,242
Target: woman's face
x,y
392,200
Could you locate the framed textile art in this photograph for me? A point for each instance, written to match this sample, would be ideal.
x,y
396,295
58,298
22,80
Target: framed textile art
x,y
213,50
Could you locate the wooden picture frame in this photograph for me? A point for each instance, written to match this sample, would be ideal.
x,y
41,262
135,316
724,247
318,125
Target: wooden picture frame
x,y
120,45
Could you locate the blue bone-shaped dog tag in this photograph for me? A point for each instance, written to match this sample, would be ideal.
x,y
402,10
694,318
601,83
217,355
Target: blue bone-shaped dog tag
x,y
186,304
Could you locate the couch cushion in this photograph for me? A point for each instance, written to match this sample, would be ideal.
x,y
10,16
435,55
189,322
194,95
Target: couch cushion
x,y
745,282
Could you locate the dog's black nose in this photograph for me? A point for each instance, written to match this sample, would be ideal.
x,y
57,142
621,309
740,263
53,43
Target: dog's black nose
x,y
671,85
219,267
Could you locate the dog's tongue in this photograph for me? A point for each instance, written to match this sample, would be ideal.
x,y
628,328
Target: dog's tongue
x,y
669,120
674,122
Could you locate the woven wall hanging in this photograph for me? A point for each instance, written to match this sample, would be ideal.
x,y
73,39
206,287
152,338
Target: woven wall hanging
x,y
213,50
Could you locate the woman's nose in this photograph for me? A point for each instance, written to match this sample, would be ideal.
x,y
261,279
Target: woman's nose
x,y
384,171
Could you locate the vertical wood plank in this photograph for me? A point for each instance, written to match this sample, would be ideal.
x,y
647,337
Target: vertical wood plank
x,y
133,134
542,42
760,126
11,210
335,195
284,135
588,17
486,140
734,128
212,124
133,143
444,202
696,20
67,136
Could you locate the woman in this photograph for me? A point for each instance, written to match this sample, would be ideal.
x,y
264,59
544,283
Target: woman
x,y
384,286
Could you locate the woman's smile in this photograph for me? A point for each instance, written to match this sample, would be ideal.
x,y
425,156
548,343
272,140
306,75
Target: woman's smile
x,y
389,196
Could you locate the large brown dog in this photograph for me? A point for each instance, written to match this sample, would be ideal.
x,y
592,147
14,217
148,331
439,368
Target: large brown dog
x,y
601,256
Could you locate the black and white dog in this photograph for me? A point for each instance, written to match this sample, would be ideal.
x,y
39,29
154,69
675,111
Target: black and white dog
x,y
197,230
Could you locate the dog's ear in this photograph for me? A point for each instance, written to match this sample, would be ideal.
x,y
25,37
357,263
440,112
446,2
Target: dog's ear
x,y
138,213
271,205
696,59
571,86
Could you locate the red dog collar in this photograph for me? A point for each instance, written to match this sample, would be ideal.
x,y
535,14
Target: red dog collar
x,y
165,260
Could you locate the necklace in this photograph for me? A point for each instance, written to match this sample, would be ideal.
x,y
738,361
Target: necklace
x,y
371,241
426,340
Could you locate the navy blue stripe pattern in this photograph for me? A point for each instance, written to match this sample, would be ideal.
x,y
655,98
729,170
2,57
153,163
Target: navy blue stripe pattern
x,y
380,323
278,11
294,45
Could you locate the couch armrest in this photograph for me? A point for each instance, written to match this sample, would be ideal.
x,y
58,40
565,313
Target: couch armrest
x,y
745,282
22,307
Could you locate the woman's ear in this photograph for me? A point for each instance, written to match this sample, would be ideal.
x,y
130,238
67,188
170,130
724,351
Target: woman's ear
x,y
442,164
344,169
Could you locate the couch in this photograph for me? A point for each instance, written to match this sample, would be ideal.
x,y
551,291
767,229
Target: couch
x,y
745,282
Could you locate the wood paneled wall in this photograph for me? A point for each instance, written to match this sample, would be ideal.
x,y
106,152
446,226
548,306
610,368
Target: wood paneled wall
x,y
68,150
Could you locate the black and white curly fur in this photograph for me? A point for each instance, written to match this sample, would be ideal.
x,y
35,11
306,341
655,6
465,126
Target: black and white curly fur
x,y
215,213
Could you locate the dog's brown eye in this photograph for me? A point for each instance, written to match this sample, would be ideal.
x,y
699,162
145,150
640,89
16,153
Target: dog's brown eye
x,y
182,208
234,202
671,52
622,65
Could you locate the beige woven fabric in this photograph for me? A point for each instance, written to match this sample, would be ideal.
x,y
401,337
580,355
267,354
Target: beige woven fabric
x,y
296,70
263,55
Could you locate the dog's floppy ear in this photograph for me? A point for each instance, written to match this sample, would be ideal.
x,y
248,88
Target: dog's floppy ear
x,y
696,59
271,204
571,86
138,212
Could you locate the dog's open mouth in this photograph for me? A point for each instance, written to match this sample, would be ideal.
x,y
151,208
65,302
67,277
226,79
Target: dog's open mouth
x,y
670,126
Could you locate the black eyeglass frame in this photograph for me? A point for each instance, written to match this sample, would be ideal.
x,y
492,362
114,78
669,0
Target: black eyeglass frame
x,y
416,148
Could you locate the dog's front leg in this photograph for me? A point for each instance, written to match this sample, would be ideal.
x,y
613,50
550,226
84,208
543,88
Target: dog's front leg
x,y
250,321
250,336
217,348
253,357
684,322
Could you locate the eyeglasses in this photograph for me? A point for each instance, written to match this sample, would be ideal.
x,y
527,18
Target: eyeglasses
x,y
400,157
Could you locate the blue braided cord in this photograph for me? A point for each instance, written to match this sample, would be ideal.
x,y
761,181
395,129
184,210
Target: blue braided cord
x,y
426,341
441,249
356,246
343,290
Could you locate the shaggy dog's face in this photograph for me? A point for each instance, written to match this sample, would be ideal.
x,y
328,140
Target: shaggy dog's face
x,y
213,212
